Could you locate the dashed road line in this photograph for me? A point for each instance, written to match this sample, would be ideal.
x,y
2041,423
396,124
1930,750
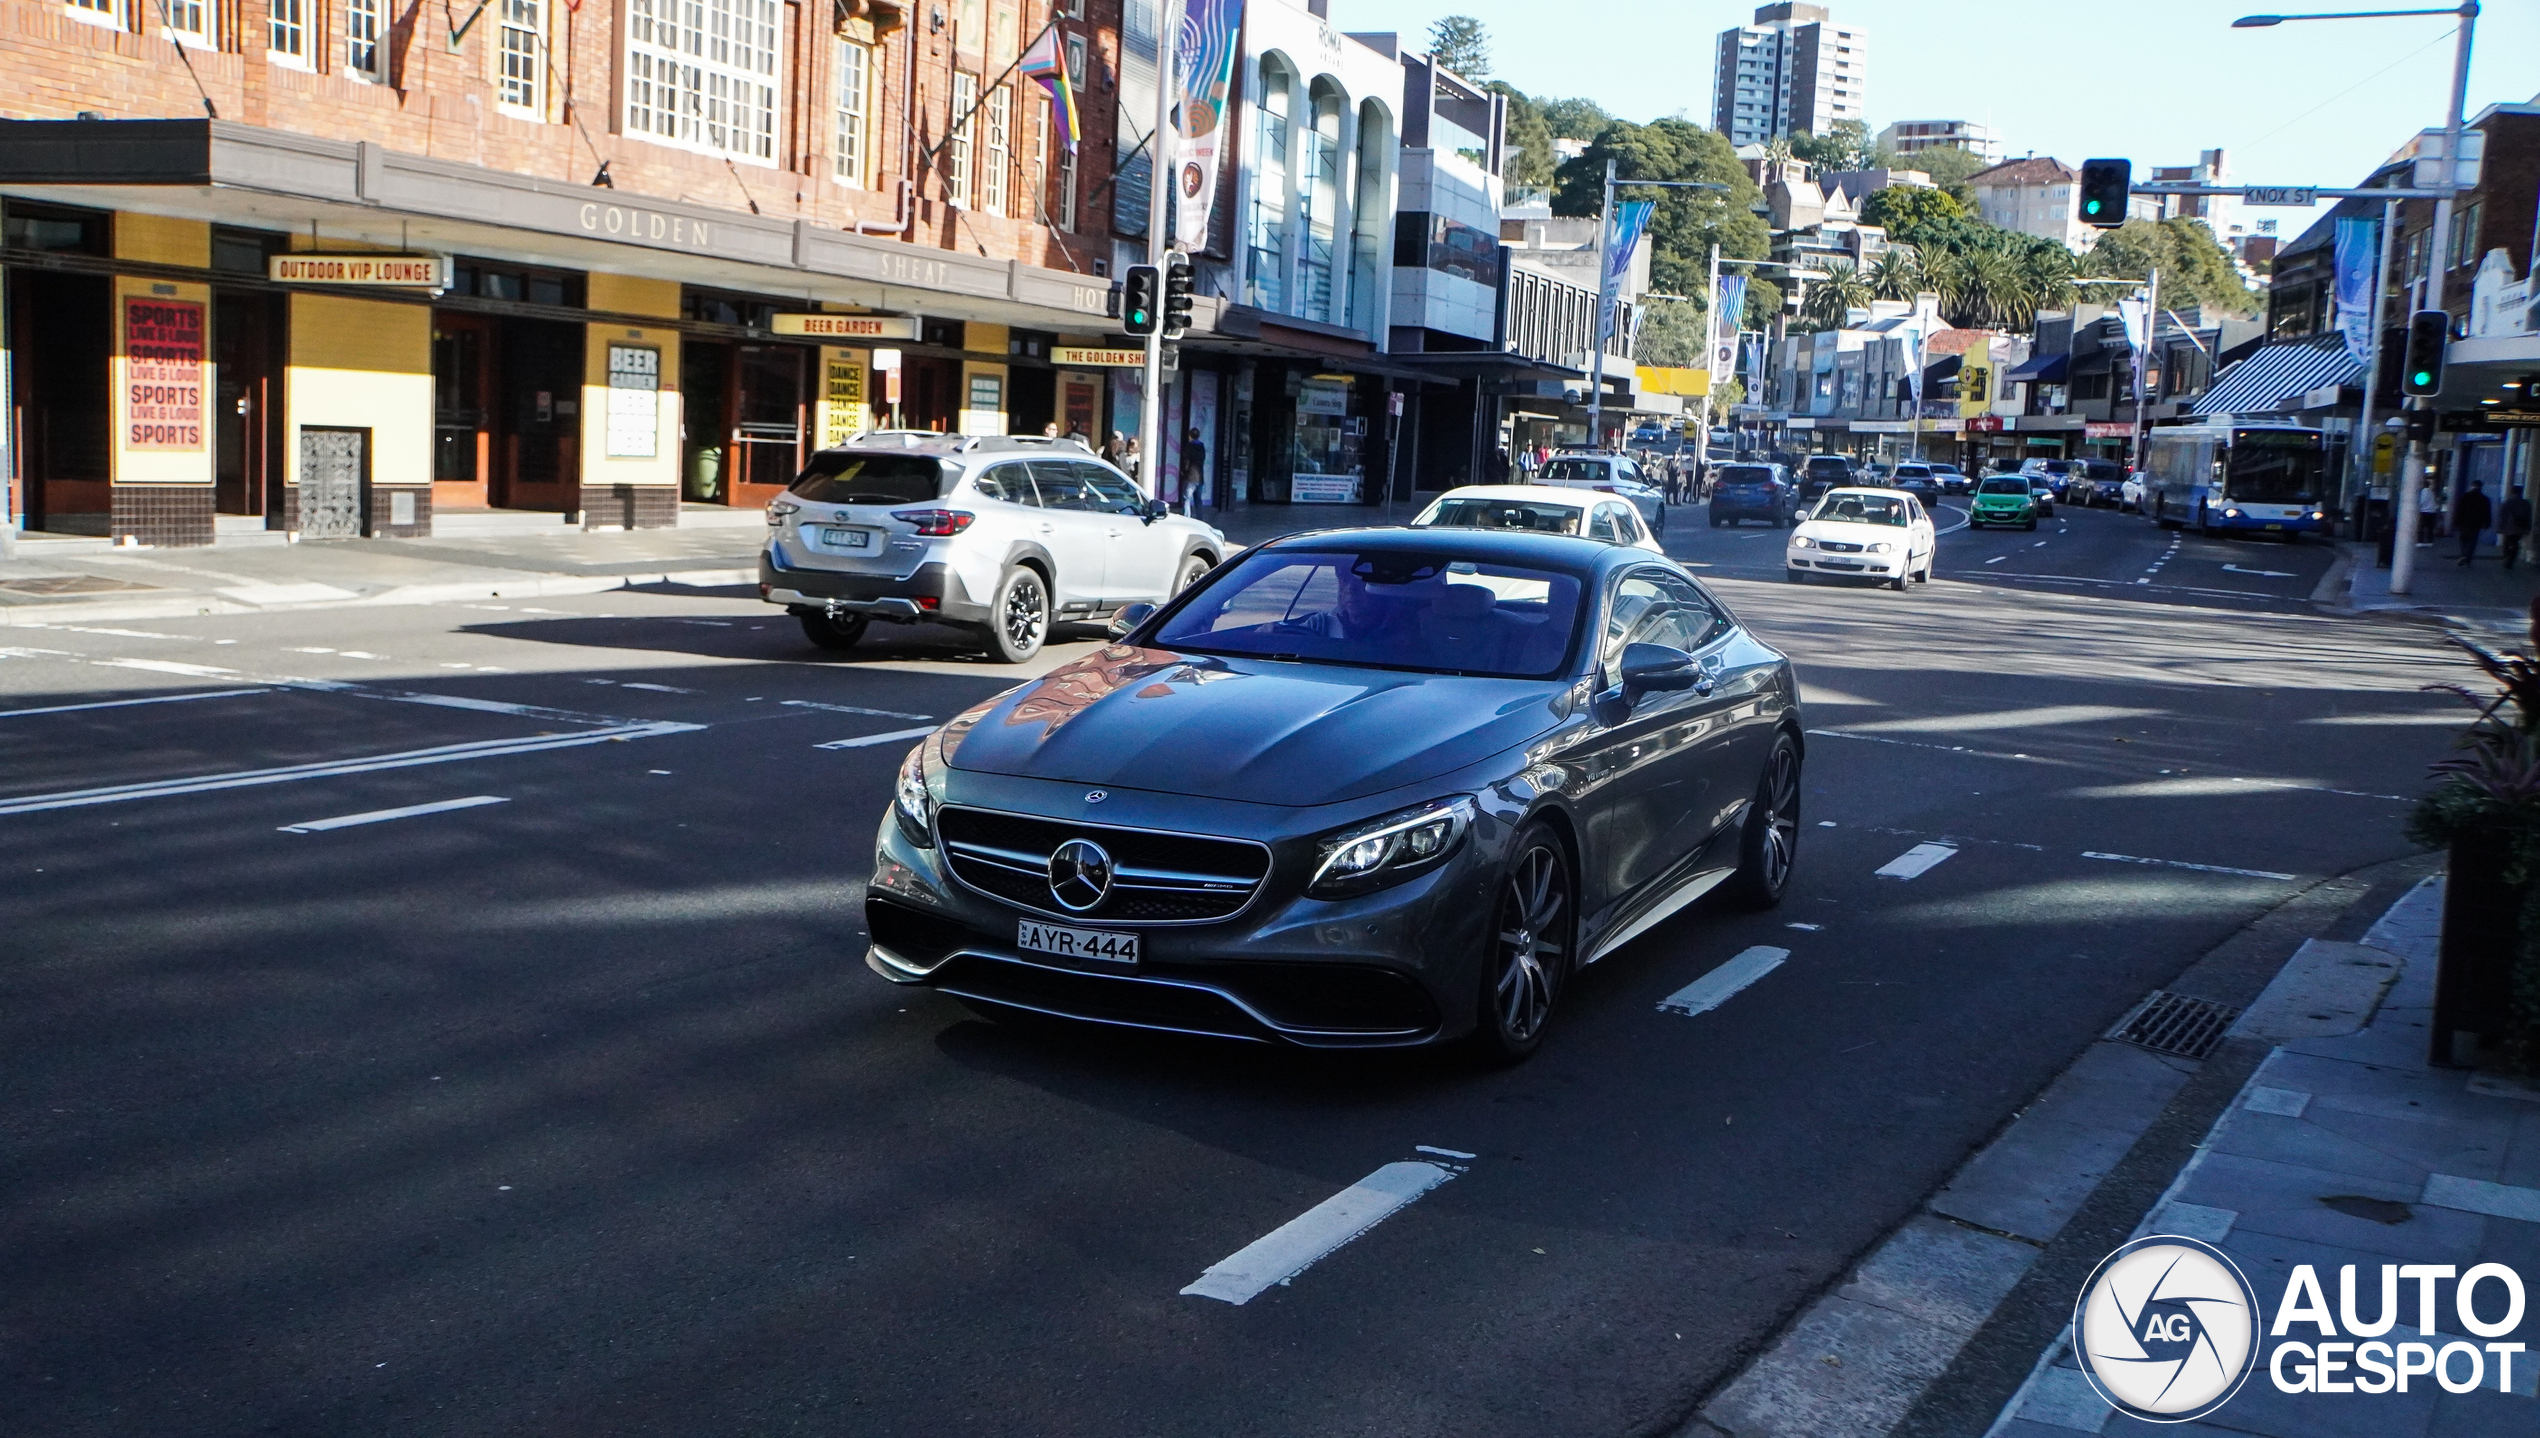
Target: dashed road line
x,y
382,816
867,740
2200,868
1725,982
1916,861
1298,1244
1997,559
849,709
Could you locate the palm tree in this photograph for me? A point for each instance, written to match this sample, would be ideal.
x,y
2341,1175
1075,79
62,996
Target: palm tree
x,y
1897,275
1994,292
1841,291
2050,274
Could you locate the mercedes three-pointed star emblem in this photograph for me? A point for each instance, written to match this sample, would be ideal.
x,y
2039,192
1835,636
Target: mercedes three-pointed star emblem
x,y
1080,875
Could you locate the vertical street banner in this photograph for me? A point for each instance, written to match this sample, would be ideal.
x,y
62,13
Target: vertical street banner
x,y
1728,311
163,375
2358,251
1204,58
1631,219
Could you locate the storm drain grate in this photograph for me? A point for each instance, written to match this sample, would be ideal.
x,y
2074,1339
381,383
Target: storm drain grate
x,y
2168,1023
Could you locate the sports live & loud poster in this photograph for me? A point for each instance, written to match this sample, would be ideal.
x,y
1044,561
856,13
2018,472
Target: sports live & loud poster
x,y
163,373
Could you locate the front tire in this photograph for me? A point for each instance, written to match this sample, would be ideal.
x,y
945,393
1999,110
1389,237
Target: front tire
x,y
1769,846
1533,932
1796,576
1193,569
1019,619
1898,583
831,633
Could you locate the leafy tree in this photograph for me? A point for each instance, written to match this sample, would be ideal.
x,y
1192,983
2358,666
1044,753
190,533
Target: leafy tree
x,y
1831,300
1671,333
1529,161
1901,207
1844,146
1687,222
2195,268
1461,44
1948,166
1575,119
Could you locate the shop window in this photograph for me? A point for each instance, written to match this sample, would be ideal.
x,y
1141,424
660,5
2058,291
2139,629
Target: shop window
x,y
998,163
244,252
362,55
855,111
701,75
711,307
56,228
516,283
287,31
965,101
524,34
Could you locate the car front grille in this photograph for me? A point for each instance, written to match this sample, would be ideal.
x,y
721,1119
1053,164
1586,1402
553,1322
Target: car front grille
x,y
1158,878
1838,546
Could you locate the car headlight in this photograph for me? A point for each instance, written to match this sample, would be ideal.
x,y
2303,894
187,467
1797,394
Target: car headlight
x,y
1802,542
1880,547
779,510
2319,514
1389,850
913,797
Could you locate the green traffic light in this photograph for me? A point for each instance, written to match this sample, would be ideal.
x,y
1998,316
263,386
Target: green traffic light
x,y
2092,207
2422,378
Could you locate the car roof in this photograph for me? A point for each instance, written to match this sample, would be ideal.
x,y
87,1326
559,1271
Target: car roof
x,y
1532,493
1864,491
1504,546
974,447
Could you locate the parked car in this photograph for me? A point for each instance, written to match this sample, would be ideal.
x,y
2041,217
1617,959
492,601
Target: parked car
x,y
2095,483
1952,479
2130,494
1611,474
1864,534
1539,509
1917,480
1000,536
1821,472
1131,841
2003,499
2044,489
1740,492
2058,472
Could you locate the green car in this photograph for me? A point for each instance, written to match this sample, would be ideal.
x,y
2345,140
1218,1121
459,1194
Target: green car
x,y
2002,499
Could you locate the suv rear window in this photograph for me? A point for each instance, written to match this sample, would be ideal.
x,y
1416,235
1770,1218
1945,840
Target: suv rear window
x,y
1592,470
1745,474
1829,464
850,477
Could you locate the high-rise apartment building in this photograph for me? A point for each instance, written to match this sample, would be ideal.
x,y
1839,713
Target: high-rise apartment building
x,y
1793,71
1908,138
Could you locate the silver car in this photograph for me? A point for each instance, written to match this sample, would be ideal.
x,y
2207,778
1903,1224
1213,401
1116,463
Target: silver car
x,y
1618,474
1003,536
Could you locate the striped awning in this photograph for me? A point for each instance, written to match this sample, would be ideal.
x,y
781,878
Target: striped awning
x,y
2276,377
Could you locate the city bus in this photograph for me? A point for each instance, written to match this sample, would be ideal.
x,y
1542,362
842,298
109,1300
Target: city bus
x,y
2267,478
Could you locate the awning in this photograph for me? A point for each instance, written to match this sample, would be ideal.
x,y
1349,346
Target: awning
x,y
2267,380
2044,369
1943,369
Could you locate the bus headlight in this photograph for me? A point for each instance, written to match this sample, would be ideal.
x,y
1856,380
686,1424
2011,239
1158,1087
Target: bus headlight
x,y
2231,514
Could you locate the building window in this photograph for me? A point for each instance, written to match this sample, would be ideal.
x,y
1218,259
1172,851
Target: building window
x,y
1064,211
965,102
97,12
1318,201
362,54
998,163
523,32
855,111
287,31
185,20
2465,233
1268,223
701,75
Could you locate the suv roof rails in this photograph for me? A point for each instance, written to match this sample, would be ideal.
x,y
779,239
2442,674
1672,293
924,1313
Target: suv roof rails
x,y
938,442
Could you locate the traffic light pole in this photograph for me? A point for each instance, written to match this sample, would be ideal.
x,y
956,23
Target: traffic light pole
x,y
1163,157
2365,440
2438,269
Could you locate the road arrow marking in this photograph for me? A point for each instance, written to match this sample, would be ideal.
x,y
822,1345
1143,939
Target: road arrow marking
x,y
2261,573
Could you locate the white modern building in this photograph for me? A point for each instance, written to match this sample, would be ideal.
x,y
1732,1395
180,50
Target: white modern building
x,y
2038,195
1793,71
1911,137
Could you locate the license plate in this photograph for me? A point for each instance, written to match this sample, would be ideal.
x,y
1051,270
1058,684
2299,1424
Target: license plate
x,y
840,538
1078,943
2275,526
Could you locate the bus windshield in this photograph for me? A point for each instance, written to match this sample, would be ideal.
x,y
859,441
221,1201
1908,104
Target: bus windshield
x,y
2279,467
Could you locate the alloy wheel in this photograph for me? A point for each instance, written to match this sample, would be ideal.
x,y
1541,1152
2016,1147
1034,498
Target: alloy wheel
x,y
1026,613
1534,914
1781,823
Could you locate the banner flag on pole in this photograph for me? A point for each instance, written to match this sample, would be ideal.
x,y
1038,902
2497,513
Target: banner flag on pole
x,y
1205,60
1631,218
1728,311
1044,62
2357,254
2135,313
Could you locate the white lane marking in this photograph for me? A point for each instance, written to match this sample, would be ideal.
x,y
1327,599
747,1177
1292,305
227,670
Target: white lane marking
x,y
1910,744
1297,1244
120,633
357,654
850,709
1997,559
2039,717
167,666
128,703
867,740
2203,786
662,688
2041,544
2478,1195
1806,928
2200,868
2261,573
1441,1152
1916,861
308,649
1723,983
381,816
407,759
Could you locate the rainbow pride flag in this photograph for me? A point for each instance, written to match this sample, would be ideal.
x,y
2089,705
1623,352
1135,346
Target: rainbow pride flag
x,y
1045,62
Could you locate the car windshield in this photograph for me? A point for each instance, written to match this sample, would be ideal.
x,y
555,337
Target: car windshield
x,y
849,477
1534,515
1588,469
1431,613
1746,474
2003,486
1842,508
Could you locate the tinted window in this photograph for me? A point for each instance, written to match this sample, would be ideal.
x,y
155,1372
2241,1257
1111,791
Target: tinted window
x,y
1431,613
1112,492
851,477
1502,514
1913,471
1601,525
1591,470
1009,482
1746,474
2002,486
1652,606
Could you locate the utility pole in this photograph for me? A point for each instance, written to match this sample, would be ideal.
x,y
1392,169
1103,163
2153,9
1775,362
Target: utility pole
x,y
1596,331
2369,441
2403,552
1163,157
1711,350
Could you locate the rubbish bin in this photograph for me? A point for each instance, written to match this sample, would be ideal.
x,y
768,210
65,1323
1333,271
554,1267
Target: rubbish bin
x,y
2482,939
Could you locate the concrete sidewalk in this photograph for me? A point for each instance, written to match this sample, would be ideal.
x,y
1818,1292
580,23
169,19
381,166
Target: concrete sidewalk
x,y
2485,599
2346,1147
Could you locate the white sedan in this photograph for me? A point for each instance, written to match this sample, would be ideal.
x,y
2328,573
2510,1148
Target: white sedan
x,y
1864,533
1539,509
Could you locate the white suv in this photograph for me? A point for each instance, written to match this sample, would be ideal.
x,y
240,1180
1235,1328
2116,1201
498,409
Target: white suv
x,y
1004,536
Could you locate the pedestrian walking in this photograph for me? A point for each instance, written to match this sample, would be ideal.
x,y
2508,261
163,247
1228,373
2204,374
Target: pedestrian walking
x,y
1129,458
2513,524
2470,518
1115,450
1194,472
2429,511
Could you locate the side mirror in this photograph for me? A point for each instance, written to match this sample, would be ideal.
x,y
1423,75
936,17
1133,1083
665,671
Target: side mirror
x,y
1153,510
1128,617
1652,668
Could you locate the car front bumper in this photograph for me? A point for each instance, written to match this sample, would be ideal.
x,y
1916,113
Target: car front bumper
x,y
1884,565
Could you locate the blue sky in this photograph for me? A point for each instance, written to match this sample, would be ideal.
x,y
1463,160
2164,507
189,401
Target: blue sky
x,y
2153,80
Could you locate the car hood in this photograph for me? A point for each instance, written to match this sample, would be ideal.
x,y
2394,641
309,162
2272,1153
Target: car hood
x,y
1252,731
1849,532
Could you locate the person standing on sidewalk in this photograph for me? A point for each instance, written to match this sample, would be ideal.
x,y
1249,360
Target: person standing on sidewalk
x,y
2429,511
2470,519
1194,471
2513,524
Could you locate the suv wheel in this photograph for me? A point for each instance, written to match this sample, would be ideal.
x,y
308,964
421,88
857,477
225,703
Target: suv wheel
x,y
831,633
1019,619
1192,569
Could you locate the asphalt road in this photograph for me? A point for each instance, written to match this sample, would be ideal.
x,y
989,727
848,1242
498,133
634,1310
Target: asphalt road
x,y
578,1112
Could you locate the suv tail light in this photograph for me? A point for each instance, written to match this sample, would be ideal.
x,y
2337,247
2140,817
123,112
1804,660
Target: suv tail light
x,y
935,523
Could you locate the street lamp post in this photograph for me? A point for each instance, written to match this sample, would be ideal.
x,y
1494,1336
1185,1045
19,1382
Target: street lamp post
x,y
2412,471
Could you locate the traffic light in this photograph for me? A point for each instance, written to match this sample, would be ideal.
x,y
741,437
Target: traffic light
x,y
2104,186
2385,382
2429,335
1141,288
1177,293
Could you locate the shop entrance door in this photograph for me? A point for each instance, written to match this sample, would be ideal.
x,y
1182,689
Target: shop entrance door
x,y
61,336
463,353
767,399
247,413
705,381
539,388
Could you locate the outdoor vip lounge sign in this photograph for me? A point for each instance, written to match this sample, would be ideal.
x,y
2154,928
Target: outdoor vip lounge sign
x,y
373,271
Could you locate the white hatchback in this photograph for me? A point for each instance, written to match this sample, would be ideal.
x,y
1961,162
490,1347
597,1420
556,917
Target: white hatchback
x,y
1539,509
1864,534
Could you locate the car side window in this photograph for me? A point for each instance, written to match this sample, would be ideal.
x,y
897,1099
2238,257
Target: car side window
x,y
1011,483
1601,524
1060,485
1627,524
1111,492
1651,606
